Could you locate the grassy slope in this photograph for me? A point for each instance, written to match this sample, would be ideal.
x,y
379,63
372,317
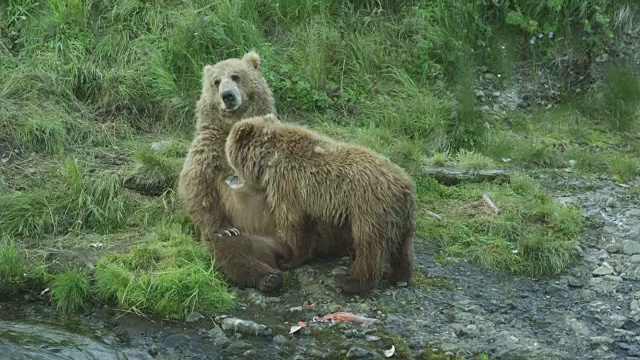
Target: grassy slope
x,y
87,88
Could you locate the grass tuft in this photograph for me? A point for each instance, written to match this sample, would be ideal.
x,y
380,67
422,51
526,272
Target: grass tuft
x,y
167,273
531,235
70,290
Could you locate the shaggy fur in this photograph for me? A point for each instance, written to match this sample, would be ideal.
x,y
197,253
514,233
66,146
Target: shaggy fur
x,y
305,174
232,89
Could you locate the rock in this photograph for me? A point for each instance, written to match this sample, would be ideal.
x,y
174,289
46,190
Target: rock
x,y
218,337
159,145
577,282
279,339
635,259
602,58
617,321
612,278
632,350
153,351
635,305
630,247
479,94
602,270
372,338
601,340
243,326
360,353
633,213
489,76
250,354
613,248
173,341
611,202
193,317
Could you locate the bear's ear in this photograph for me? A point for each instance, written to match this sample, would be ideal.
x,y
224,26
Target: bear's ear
x,y
252,59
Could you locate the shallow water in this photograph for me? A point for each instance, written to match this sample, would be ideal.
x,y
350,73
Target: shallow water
x,y
38,341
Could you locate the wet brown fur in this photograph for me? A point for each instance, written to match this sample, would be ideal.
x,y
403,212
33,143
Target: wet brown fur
x,y
305,174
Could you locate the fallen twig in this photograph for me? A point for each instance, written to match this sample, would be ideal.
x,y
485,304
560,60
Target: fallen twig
x,y
454,176
429,212
489,202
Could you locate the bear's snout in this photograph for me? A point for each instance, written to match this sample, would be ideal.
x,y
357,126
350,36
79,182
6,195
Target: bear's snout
x,y
229,99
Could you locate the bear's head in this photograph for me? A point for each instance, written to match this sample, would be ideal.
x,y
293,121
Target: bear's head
x,y
250,146
235,88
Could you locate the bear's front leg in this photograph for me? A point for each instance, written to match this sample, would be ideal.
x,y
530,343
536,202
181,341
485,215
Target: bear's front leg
x,y
300,248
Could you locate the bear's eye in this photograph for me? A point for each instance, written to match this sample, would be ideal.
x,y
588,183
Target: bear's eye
x,y
216,83
235,78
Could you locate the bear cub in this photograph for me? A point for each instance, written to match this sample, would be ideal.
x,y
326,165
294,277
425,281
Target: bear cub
x,y
305,174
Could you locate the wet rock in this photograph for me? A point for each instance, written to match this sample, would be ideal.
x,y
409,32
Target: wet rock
x,y
193,317
613,248
372,338
243,326
602,271
360,353
601,340
218,337
631,349
279,339
577,282
617,321
631,247
633,213
612,278
174,341
237,346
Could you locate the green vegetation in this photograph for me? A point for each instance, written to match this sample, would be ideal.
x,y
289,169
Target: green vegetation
x,y
70,290
88,86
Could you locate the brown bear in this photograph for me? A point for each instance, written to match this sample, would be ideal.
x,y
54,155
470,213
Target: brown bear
x,y
231,90
305,174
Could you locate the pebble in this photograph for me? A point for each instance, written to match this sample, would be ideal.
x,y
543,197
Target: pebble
x,y
193,317
613,248
360,353
601,340
602,270
631,247
633,213
279,339
635,305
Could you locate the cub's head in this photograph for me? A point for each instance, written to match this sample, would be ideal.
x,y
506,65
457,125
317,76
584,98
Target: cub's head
x,y
250,146
236,88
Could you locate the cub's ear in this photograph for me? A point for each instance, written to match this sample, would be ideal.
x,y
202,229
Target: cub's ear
x,y
252,59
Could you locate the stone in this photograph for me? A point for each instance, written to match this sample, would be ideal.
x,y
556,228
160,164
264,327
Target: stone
x,y
193,317
635,259
279,339
360,353
159,145
174,341
602,270
633,213
372,338
635,305
601,340
613,248
631,247
218,337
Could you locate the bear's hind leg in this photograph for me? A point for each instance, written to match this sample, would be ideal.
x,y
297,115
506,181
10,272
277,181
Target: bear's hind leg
x,y
235,258
402,262
300,249
371,256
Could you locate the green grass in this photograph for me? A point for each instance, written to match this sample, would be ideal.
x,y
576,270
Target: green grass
x,y
531,235
167,273
70,290
87,86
